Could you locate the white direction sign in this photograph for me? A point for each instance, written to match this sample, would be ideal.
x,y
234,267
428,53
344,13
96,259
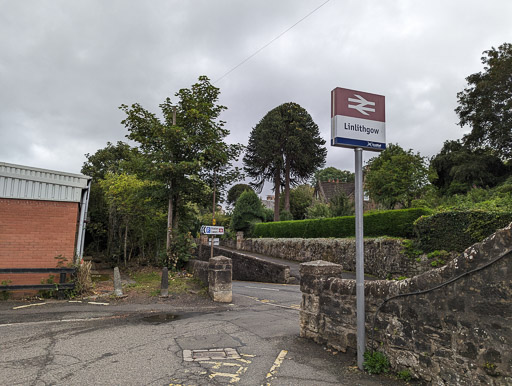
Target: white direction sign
x,y
358,119
212,230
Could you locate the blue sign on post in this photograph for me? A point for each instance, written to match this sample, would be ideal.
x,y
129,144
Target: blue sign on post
x,y
212,230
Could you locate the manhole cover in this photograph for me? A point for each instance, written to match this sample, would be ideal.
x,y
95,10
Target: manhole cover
x,y
208,355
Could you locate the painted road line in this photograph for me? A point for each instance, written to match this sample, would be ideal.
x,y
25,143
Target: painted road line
x,y
99,304
56,321
276,365
28,305
267,289
266,302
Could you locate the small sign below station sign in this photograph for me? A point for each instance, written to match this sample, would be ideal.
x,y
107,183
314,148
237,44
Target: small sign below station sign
x,y
212,230
358,120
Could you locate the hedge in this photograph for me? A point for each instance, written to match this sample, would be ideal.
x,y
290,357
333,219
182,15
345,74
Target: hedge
x,y
393,223
457,230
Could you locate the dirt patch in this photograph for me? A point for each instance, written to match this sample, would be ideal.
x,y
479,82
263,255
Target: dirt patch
x,y
142,286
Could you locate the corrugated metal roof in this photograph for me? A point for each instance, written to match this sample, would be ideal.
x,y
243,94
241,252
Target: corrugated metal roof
x,y
29,183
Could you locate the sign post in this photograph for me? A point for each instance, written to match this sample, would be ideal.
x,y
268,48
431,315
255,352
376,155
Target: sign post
x,y
212,230
358,122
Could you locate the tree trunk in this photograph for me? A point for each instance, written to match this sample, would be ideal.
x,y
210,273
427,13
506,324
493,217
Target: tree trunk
x,y
277,190
125,244
287,186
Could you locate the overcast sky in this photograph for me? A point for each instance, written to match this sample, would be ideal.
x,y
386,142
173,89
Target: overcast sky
x,y
66,66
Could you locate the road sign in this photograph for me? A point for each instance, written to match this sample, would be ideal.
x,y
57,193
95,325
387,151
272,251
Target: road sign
x,y
215,241
358,119
212,230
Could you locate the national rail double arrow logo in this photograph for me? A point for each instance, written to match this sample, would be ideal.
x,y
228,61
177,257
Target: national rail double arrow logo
x,y
362,105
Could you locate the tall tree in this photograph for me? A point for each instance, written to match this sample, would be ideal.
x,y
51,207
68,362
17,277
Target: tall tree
x,y
332,173
235,191
118,158
458,169
486,104
186,147
284,147
396,177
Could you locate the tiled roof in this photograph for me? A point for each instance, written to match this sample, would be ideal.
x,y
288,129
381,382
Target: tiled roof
x,y
326,190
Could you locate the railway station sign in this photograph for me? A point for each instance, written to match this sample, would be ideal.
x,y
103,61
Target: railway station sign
x,y
358,120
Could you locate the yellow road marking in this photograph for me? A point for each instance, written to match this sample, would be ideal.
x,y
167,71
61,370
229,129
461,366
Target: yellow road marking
x,y
277,364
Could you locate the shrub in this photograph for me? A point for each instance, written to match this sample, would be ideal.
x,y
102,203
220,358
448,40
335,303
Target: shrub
x,y
248,210
375,362
404,375
457,230
394,223
318,210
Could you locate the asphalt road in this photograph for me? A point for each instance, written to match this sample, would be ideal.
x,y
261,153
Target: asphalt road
x,y
253,341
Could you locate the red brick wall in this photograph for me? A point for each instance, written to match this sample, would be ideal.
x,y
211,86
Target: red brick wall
x,y
33,232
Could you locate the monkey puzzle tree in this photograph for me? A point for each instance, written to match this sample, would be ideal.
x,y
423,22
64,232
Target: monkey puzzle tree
x,y
285,147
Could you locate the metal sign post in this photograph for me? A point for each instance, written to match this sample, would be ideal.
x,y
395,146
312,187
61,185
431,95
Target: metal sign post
x,y
358,122
212,230
359,258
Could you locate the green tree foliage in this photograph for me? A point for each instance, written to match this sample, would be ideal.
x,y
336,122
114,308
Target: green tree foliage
x,y
119,158
126,200
459,169
341,205
185,149
396,177
332,173
301,198
235,191
248,210
486,104
318,210
285,147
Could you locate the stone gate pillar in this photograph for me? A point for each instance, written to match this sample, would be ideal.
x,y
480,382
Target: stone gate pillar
x,y
219,279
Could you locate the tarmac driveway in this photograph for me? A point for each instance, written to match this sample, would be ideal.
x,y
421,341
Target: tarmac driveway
x,y
253,341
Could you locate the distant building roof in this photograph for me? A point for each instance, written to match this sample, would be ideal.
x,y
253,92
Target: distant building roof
x,y
326,190
269,202
29,183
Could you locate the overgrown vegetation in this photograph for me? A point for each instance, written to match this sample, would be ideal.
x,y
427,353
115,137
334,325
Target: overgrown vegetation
x,y
457,230
148,282
375,362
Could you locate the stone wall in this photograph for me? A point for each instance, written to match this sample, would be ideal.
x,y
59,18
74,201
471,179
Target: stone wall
x,y
216,274
459,334
199,269
384,257
250,268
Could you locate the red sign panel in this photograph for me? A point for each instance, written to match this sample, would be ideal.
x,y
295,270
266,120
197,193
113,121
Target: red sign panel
x,y
358,104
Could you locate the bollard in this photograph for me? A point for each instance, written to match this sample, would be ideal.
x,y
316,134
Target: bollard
x,y
118,287
239,239
164,287
219,279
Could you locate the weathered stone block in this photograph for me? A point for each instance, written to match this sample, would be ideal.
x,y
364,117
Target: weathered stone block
x,y
219,279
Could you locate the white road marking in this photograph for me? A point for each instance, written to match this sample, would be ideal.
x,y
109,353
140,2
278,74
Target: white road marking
x,y
268,289
28,305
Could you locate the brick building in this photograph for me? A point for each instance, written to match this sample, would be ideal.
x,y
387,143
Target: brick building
x,y
42,216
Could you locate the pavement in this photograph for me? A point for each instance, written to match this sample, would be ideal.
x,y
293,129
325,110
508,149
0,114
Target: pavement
x,y
252,341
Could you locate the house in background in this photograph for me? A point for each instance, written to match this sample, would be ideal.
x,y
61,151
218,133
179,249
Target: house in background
x,y
325,191
269,202
42,216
